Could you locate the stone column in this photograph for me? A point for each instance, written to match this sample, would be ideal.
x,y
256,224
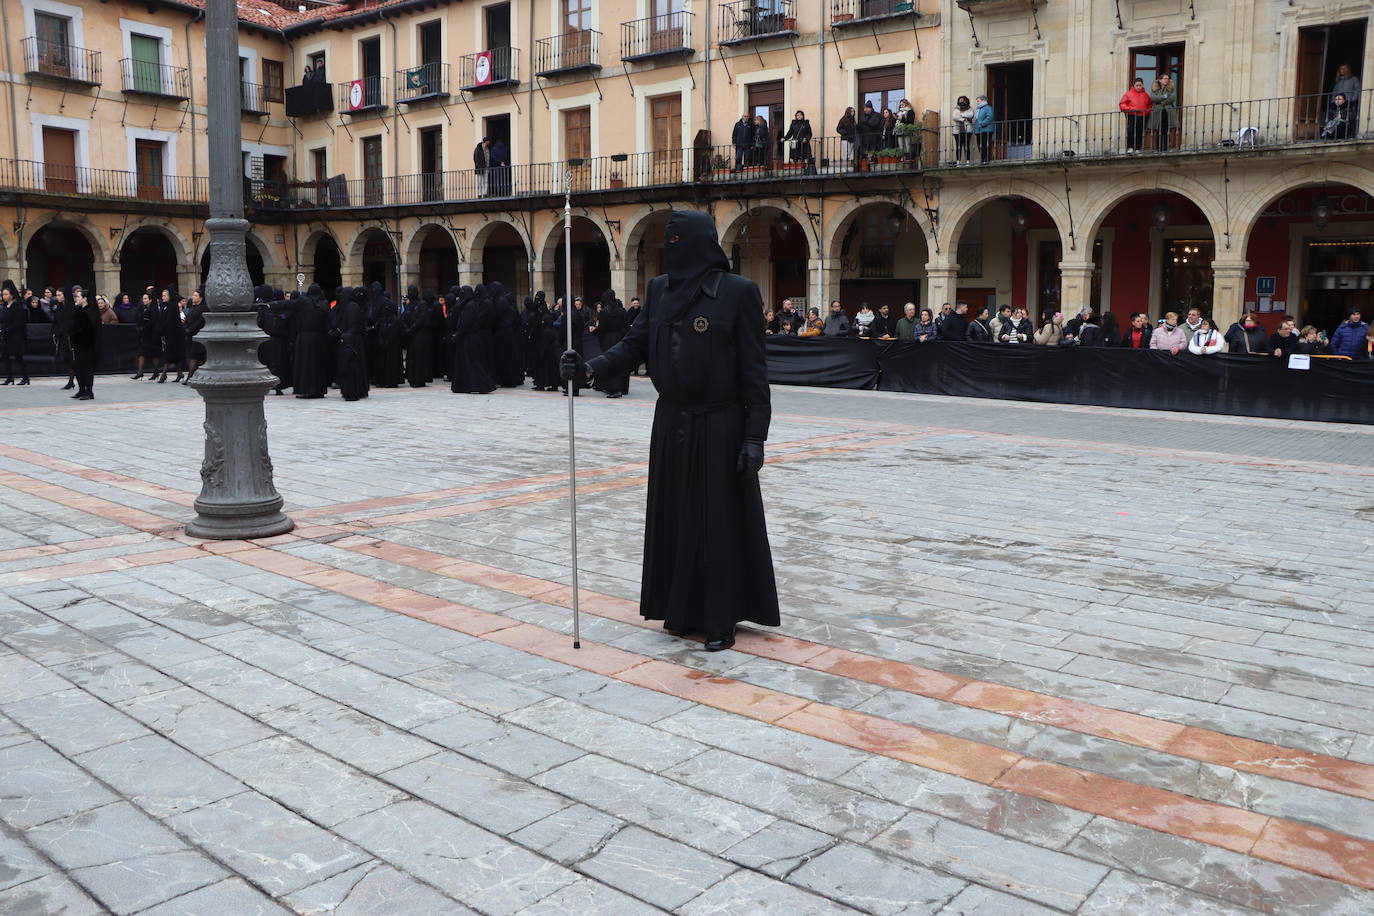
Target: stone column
x,y
237,499
942,282
821,277
469,274
625,280
106,281
1075,286
1228,292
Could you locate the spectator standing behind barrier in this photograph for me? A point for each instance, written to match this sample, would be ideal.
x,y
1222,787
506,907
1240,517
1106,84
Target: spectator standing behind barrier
x,y
1073,329
1366,350
863,322
1192,322
1108,332
906,325
1051,331
789,311
1282,342
814,327
1310,342
980,328
1137,336
1205,340
926,329
742,138
837,322
1015,329
1003,314
846,129
1169,336
884,324
1246,336
1163,110
954,326
1346,339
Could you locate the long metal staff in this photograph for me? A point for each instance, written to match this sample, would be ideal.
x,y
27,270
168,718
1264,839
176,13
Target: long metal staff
x,y
572,390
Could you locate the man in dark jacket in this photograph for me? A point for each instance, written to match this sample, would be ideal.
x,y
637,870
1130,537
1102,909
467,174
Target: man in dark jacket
x,y
837,322
481,163
498,178
870,128
742,137
707,563
954,326
1247,336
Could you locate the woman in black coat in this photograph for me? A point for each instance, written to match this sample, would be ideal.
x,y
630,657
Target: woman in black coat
x,y
85,338
149,336
14,332
611,328
195,323
799,134
173,335
549,347
762,140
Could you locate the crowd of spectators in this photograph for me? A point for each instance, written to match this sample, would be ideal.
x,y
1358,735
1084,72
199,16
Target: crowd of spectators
x,y
1195,334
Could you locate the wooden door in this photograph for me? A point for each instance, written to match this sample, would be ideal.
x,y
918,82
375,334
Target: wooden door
x,y
148,168
577,144
372,171
432,163
146,54
666,29
577,40
59,160
54,44
665,113
1309,104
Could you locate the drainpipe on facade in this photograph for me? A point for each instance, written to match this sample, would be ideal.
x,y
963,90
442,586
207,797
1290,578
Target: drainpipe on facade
x,y
395,150
531,264
705,85
14,124
191,104
819,286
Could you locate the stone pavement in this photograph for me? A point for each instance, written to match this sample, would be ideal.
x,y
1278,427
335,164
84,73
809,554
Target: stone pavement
x,y
1034,659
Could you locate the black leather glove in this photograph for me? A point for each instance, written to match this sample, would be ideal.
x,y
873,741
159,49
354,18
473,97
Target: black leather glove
x,y
750,457
571,365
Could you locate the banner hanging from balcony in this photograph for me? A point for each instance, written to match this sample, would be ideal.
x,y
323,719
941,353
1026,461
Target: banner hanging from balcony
x,y
481,68
416,79
356,95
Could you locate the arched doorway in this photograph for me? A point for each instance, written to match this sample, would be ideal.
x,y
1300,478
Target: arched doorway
x,y
438,260
1008,254
252,254
59,254
770,247
1311,256
645,245
591,261
504,259
328,271
881,254
378,260
1160,249
147,258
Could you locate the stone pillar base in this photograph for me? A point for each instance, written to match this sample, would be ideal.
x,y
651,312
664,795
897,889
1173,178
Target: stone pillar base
x,y
942,284
1075,287
1228,292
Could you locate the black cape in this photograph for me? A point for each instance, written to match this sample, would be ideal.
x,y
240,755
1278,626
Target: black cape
x,y
310,363
471,373
350,359
707,562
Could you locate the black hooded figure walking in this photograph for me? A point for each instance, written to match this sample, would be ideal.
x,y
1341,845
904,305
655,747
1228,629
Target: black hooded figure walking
x,y
417,323
350,327
707,563
546,347
470,373
85,343
277,351
506,363
390,369
310,320
610,330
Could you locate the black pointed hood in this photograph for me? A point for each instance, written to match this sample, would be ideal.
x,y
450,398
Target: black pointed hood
x,y
697,250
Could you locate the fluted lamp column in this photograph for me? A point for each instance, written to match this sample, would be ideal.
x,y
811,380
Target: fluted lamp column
x,y
237,498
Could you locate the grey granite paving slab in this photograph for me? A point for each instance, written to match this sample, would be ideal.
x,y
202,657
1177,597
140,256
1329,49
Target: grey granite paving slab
x,y
570,834
301,778
19,862
617,738
234,896
195,721
51,895
768,743
750,892
22,678
472,865
875,883
235,683
73,721
105,835
779,848
372,889
593,898
267,844
654,869
158,776
38,785
352,736
976,900
114,676
476,792
1121,892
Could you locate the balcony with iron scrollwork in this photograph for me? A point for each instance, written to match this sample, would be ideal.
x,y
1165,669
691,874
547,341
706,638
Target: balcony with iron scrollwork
x,y
422,83
490,69
669,35
363,96
162,81
571,52
252,98
60,62
750,20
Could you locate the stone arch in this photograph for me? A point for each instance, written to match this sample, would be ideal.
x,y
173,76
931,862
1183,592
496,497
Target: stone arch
x,y
306,254
478,235
180,244
411,246
271,263
1100,205
954,218
354,252
99,248
554,235
1249,208
839,223
635,228
728,235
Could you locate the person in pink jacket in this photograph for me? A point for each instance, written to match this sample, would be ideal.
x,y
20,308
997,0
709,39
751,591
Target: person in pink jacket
x,y
1170,335
1135,105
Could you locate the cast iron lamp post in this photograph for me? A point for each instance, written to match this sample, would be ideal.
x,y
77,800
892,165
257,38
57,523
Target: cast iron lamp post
x,y
237,498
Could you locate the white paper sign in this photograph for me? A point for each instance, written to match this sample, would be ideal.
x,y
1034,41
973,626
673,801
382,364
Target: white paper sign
x,y
1299,361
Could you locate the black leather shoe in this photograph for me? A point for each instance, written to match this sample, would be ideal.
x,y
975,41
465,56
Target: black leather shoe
x,y
69,386
718,642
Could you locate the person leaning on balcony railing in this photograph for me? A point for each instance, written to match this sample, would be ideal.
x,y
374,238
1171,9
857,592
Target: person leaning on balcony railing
x,y
983,116
846,130
963,129
799,134
1338,119
869,128
1135,105
1348,85
1163,110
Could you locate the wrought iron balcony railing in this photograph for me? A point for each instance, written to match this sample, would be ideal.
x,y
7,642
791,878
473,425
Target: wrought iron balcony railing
x,y
427,81
656,36
365,95
104,184
844,13
489,69
142,77
747,20
252,98
60,61
568,53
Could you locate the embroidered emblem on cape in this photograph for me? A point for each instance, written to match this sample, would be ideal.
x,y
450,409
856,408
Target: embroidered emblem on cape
x,y
700,324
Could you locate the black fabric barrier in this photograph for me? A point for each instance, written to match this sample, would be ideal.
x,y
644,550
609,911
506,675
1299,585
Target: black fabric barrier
x,y
1228,383
118,350
830,362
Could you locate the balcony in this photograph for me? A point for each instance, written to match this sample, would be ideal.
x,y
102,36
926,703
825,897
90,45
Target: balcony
x,y
252,98
100,184
846,13
363,96
156,80
428,81
658,36
1222,127
309,99
61,62
570,52
749,20
490,69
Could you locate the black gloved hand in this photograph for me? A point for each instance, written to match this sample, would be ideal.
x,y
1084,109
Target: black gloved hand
x,y
750,457
571,365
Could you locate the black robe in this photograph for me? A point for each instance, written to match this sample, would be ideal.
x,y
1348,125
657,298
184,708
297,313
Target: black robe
x,y
350,360
173,335
547,348
310,366
276,352
610,330
418,326
389,371
707,562
471,373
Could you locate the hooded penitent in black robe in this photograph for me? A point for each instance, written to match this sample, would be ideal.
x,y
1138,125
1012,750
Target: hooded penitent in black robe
x,y
441,352
470,373
610,330
707,563
580,320
547,348
276,352
350,360
390,369
417,323
529,336
310,319
506,363
372,310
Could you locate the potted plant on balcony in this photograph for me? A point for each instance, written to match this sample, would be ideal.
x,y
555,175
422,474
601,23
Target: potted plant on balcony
x,y
887,159
903,6
616,180
841,17
789,23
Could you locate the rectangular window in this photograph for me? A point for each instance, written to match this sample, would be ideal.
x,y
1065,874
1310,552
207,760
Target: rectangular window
x,y
883,86
431,40
315,64
319,162
53,38
1011,90
372,170
766,101
273,80
146,54
577,143
578,15
148,166
432,162
665,119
